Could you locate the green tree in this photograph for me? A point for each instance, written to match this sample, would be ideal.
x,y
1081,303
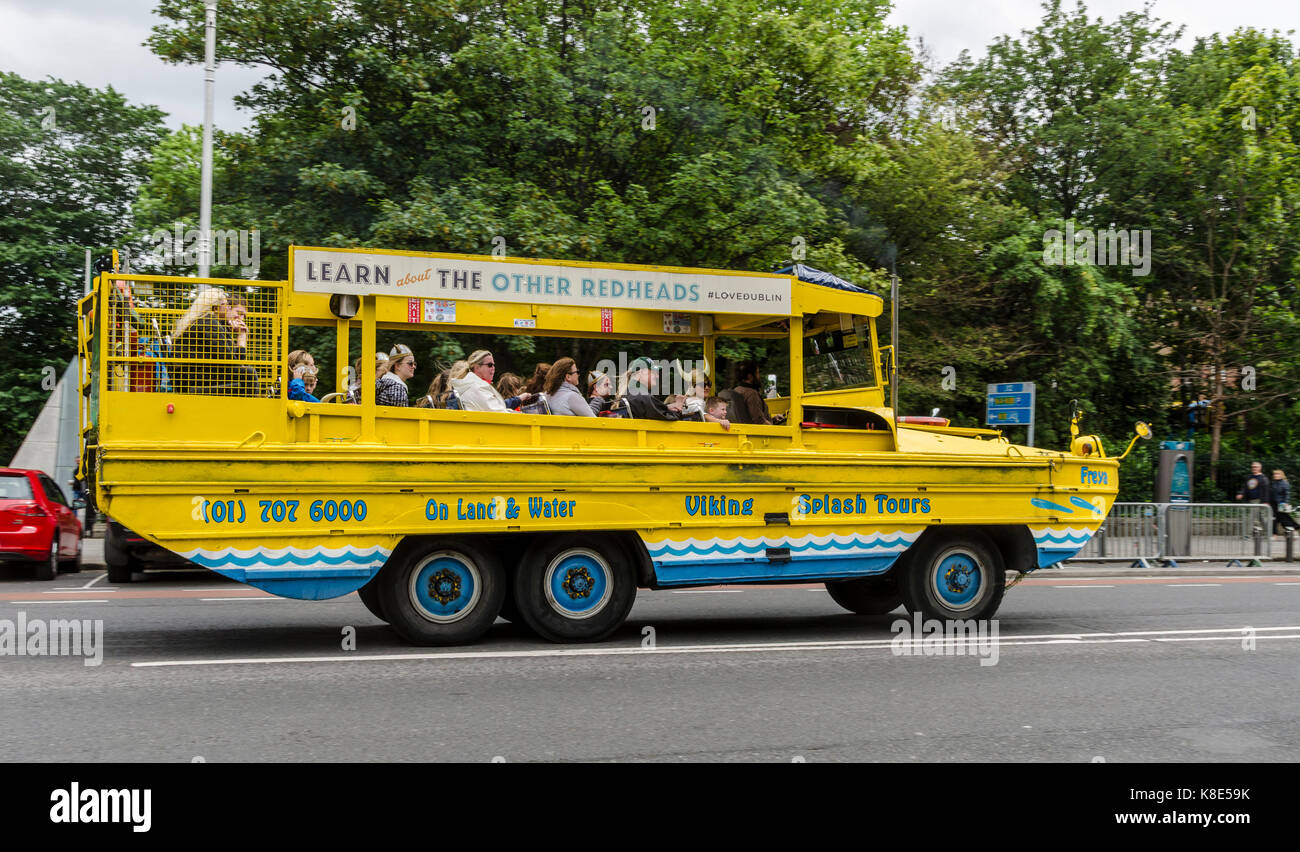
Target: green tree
x,y
71,160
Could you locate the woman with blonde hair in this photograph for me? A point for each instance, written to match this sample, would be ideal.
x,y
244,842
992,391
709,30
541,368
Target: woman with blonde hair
x,y
391,387
562,392
472,381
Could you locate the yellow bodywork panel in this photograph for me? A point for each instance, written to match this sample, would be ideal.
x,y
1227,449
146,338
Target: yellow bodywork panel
x,y
195,444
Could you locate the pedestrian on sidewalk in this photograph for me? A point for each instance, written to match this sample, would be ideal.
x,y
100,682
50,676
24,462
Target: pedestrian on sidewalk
x,y
1280,500
1256,488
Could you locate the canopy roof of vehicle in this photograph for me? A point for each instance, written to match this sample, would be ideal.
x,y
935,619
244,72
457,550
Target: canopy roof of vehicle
x,y
582,298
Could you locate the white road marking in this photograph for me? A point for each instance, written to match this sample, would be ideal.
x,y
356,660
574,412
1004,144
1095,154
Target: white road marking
x,y
75,591
96,580
1286,584
838,645
47,601
1185,585
1089,586
245,598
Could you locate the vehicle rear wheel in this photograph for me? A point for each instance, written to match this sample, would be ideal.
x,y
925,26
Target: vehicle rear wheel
x,y
573,588
369,594
441,592
954,574
867,595
48,569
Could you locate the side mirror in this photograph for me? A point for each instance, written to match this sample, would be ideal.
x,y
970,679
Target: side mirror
x,y
1143,431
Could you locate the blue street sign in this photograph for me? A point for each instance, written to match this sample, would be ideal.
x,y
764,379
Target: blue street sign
x,y
1011,404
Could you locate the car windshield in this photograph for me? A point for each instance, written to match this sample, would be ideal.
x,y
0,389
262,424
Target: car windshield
x,y
15,487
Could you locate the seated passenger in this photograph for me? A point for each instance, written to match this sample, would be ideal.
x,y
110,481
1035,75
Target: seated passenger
x,y
472,381
747,404
562,391
441,396
300,363
354,387
715,411
510,387
599,391
310,377
391,387
213,329
537,383
639,384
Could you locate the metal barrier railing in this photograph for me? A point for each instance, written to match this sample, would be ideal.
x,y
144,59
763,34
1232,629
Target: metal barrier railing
x,y
1167,532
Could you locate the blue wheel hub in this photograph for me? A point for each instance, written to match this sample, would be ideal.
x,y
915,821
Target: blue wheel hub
x,y
958,580
578,583
445,587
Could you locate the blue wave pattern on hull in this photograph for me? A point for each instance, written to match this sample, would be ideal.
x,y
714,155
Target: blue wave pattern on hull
x,y
1056,544
317,573
741,559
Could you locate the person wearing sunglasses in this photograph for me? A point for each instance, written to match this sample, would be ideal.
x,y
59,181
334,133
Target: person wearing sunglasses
x,y
562,392
391,387
472,383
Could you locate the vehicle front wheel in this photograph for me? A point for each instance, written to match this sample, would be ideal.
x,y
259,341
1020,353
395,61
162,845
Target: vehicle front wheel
x,y
573,588
441,592
118,562
867,595
954,574
48,568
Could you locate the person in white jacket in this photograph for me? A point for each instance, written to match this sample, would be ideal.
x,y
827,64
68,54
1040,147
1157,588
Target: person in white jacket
x,y
473,385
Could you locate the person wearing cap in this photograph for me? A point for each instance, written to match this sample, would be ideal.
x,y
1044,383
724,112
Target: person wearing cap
x,y
638,390
391,387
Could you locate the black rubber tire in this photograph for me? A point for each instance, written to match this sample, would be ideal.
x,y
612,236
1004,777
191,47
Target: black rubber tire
x,y
972,550
48,568
545,617
117,561
369,594
867,595
462,560
73,566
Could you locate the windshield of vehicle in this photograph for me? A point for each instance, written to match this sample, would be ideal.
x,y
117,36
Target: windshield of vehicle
x,y
15,486
838,359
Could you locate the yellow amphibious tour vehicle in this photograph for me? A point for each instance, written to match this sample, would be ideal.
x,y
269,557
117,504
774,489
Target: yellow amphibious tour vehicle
x,y
446,519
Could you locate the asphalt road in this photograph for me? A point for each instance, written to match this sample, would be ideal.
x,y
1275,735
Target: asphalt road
x,y
1118,668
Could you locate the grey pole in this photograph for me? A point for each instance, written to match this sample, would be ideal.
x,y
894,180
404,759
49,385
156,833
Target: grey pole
x,y
893,340
205,190
86,288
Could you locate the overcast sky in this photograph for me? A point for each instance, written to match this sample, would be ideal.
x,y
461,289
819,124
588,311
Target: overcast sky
x,y
99,42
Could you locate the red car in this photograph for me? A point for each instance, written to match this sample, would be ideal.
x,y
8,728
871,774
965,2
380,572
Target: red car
x,y
37,523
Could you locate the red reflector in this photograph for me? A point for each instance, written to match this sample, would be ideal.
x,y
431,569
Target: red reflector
x,y
924,421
